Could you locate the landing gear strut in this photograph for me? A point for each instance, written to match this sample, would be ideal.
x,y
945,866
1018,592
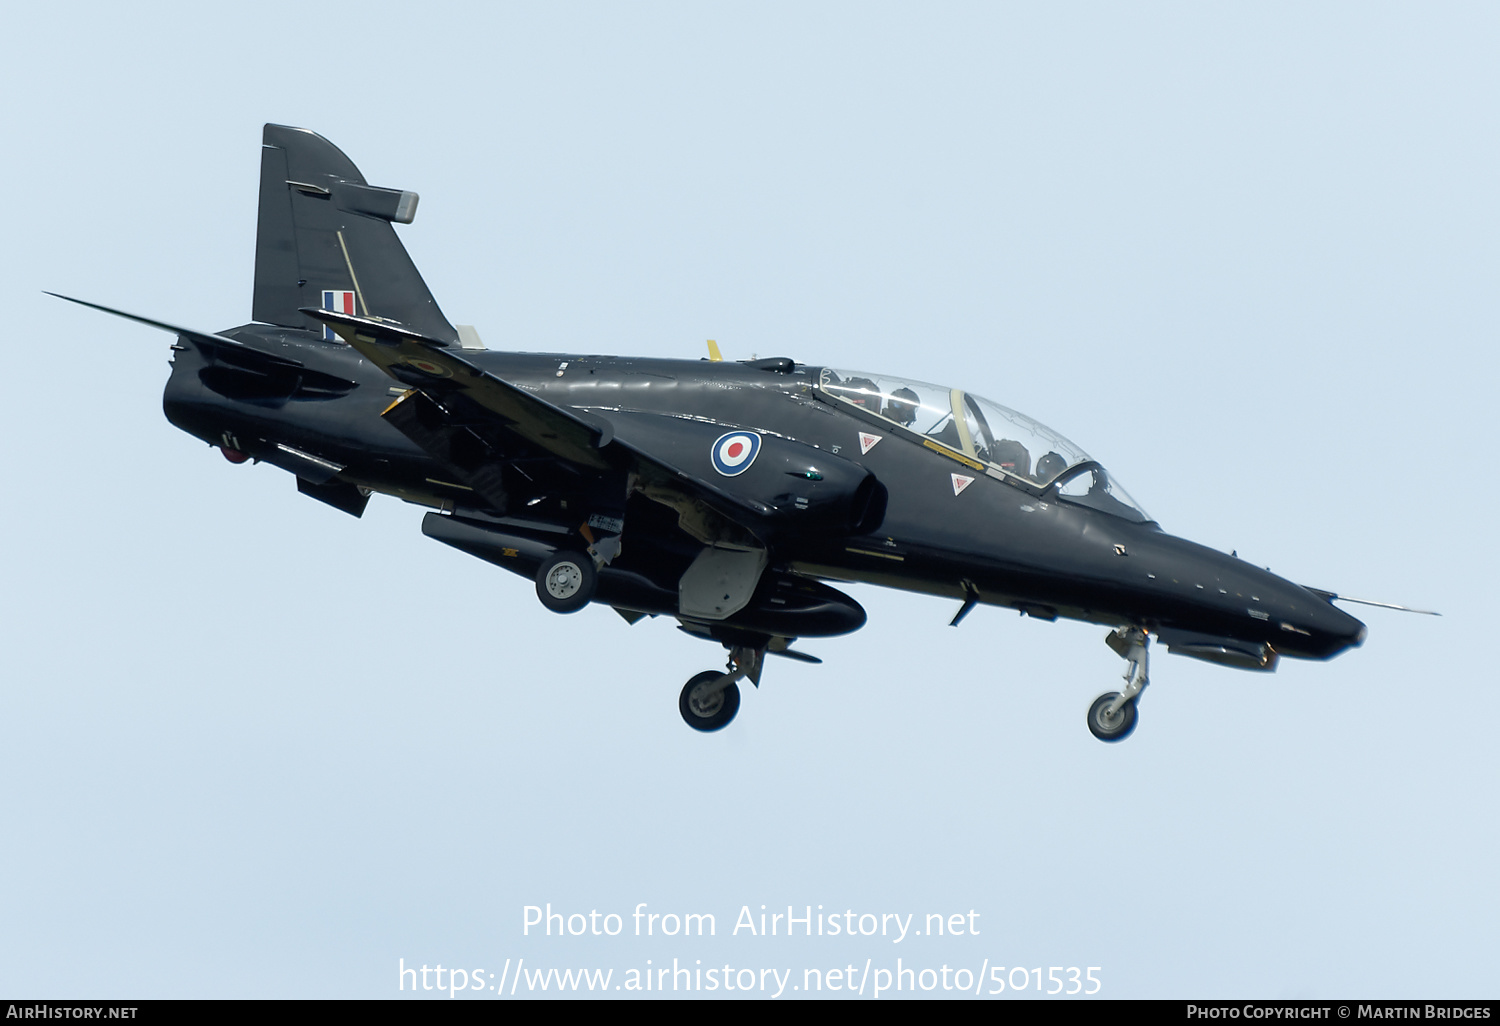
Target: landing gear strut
x,y
1113,716
709,701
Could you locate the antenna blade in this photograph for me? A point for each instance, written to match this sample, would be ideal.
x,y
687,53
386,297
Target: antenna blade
x,y
713,351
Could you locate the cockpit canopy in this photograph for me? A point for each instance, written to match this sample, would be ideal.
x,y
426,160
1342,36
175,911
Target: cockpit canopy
x,y
1027,454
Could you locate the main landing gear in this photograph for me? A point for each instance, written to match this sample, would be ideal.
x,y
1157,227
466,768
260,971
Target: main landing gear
x,y
1113,716
709,701
566,581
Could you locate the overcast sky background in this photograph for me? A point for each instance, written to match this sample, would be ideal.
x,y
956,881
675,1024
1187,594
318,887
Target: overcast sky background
x,y
1244,255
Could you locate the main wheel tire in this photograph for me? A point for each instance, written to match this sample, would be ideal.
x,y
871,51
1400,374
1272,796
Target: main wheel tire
x,y
566,582
1111,728
712,713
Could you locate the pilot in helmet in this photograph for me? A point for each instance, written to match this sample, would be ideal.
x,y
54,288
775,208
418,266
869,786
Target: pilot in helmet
x,y
902,407
1012,457
862,392
1049,466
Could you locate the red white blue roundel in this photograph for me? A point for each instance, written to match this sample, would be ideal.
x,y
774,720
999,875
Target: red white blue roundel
x,y
733,453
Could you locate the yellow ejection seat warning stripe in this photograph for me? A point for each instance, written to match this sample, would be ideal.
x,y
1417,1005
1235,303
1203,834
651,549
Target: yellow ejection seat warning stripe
x,y
940,447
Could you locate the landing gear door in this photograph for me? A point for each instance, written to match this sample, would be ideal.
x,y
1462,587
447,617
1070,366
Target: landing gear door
x,y
720,581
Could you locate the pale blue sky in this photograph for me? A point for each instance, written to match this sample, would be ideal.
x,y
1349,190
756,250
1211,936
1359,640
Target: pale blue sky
x,y
1244,255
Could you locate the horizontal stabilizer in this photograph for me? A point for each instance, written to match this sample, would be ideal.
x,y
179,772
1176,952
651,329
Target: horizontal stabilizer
x,y
201,337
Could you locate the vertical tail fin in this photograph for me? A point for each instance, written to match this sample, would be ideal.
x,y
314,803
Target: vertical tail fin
x,y
325,236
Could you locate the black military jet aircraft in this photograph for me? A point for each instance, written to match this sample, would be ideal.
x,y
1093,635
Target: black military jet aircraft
x,y
722,494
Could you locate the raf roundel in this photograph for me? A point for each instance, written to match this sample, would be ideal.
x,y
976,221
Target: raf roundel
x,y
435,370
733,453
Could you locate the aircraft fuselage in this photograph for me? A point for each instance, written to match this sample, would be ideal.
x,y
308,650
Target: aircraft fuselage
x,y
947,526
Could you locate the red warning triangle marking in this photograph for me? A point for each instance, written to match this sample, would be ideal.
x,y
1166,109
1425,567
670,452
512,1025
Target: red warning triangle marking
x,y
960,482
867,442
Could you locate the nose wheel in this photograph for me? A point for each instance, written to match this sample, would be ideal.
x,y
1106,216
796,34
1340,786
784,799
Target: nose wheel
x,y
1112,717
1109,722
709,701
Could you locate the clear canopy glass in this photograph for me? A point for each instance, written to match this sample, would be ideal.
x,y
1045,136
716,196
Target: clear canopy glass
x,y
1020,448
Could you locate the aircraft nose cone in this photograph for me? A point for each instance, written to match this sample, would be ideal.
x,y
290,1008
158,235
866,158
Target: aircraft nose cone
x,y
1341,631
1300,622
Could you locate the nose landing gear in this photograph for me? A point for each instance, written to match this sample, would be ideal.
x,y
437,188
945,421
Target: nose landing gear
x,y
1113,716
709,701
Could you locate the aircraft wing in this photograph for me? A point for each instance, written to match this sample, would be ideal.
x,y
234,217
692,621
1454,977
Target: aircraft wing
x,y
432,366
442,372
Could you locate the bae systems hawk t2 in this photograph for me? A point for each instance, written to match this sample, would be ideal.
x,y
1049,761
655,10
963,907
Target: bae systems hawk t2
x,y
722,494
